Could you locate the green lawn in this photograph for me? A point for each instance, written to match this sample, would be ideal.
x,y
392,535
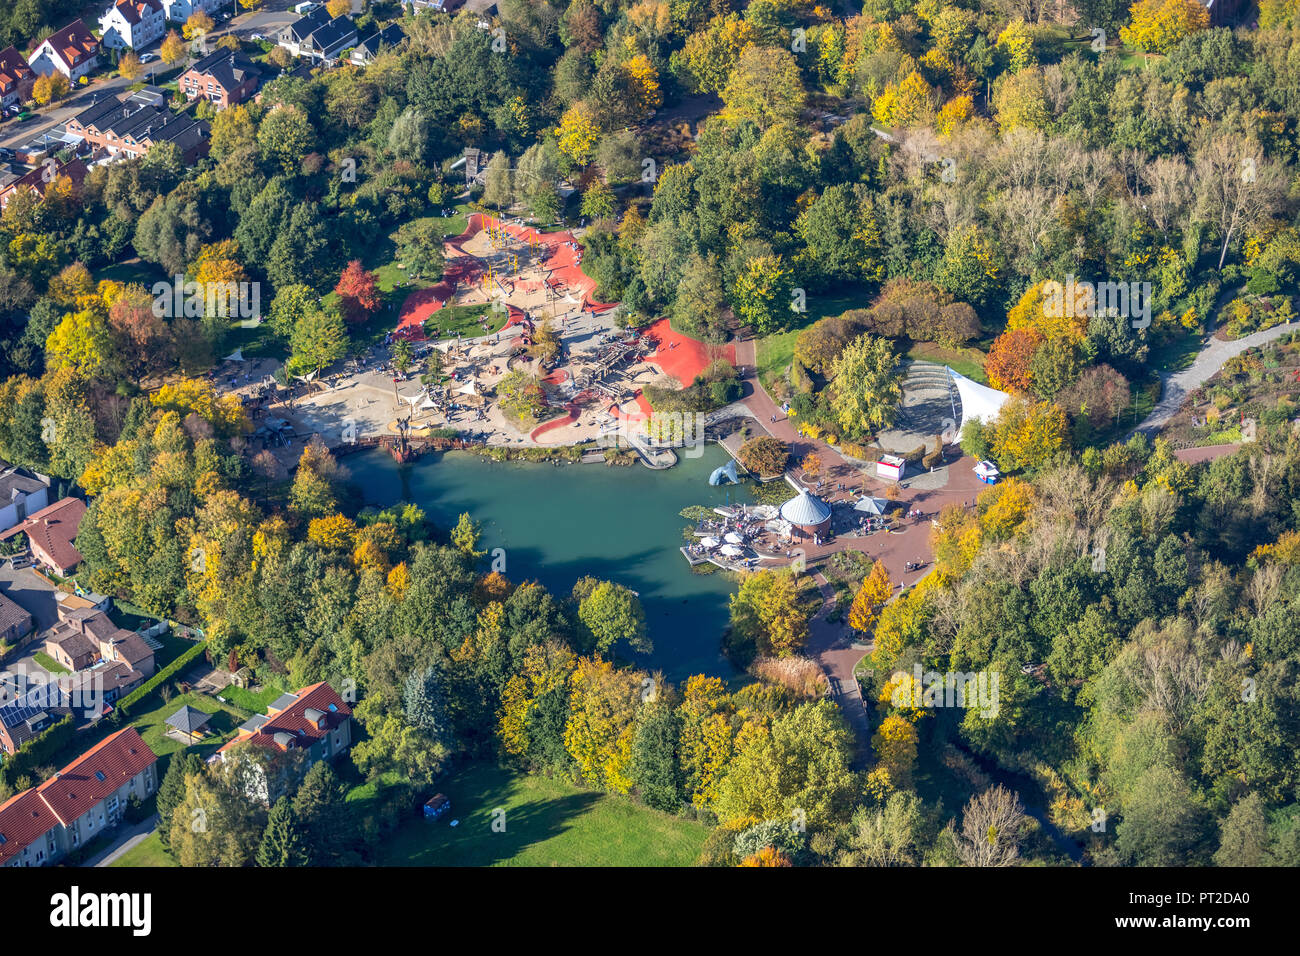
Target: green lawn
x,y
49,663
148,852
225,721
547,823
773,355
968,362
463,320
254,703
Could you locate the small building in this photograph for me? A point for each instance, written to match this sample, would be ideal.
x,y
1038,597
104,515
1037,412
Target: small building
x,y
178,11
22,492
72,51
224,78
987,472
891,467
16,78
88,640
189,724
437,806
51,533
807,512
132,24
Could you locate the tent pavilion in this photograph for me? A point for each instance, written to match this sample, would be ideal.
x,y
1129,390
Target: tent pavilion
x,y
872,506
807,512
188,723
978,402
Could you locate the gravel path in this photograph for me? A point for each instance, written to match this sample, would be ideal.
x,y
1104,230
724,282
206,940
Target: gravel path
x,y
1177,386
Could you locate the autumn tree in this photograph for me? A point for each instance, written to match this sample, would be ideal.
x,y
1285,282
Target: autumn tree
x,y
875,590
1157,26
358,292
865,385
993,826
172,50
198,25
130,67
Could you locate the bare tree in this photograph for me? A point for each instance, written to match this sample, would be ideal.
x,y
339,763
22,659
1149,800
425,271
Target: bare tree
x,y
1234,186
1167,180
992,826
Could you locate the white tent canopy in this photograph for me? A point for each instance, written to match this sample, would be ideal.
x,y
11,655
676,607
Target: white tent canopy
x,y
709,542
872,506
731,551
469,388
978,402
732,538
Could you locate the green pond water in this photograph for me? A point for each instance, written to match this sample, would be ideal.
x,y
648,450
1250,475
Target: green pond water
x,y
558,523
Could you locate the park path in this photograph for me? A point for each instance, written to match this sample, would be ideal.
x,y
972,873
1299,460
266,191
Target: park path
x,y
831,645
1176,386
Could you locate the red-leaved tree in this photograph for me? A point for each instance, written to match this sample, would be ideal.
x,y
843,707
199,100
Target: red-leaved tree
x,y
358,292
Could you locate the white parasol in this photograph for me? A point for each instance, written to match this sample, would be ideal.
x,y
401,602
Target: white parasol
x,y
732,538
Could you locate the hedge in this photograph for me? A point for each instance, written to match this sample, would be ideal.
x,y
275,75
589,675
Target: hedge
x,y
38,750
153,683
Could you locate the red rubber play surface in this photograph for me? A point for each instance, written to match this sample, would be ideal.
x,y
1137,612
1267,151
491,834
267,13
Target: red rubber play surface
x,y
562,261
683,357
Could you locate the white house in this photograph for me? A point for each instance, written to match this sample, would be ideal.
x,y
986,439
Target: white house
x,y
72,51
132,24
178,11
22,493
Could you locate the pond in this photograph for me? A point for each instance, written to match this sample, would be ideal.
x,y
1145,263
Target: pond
x,y
556,524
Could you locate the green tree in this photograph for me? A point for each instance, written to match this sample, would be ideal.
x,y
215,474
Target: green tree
x,y
865,388
611,613
319,339
282,843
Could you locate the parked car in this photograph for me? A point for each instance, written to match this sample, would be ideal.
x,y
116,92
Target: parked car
x,y
6,154
256,37
23,560
147,57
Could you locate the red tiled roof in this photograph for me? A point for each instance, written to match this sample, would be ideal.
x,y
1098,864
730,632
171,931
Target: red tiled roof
x,y
13,69
24,819
54,529
73,42
133,10
291,720
77,788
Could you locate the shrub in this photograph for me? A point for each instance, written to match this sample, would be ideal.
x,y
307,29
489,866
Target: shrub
x,y
765,456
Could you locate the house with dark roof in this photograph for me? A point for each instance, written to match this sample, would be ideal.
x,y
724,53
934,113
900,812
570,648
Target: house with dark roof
x,y
72,51
365,52
86,798
15,622
22,492
88,640
131,127
318,36
224,78
51,533
16,78
315,721
132,24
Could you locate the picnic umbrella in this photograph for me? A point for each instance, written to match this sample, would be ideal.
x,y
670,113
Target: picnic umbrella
x,y
732,538
709,542
731,551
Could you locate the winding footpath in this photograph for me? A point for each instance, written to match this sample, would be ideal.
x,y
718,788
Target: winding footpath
x,y
1176,386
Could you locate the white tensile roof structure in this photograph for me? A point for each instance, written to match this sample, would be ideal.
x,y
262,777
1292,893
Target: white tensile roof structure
x,y
805,509
977,401
874,506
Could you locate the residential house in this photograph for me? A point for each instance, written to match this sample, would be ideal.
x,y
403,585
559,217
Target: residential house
x,y
51,533
224,78
318,36
132,24
178,11
314,721
44,824
365,52
15,622
131,127
16,78
30,703
85,638
72,51
22,492
38,180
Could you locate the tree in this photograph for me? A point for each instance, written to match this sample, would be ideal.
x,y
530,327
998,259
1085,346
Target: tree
x,y
598,201
358,292
282,843
285,136
765,87
425,703
198,25
611,613
865,388
992,826
655,769
1157,26
172,50
876,589
765,456
1028,434
766,613
1235,187
763,293
171,791
499,188
465,536
419,245
578,133
319,339
1244,839
48,89
130,67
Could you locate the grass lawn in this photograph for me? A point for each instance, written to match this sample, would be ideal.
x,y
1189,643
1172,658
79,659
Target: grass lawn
x,y
547,823
773,355
49,663
225,721
968,362
463,320
254,703
148,852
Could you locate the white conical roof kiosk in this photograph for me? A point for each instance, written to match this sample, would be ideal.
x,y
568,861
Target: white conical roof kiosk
x,y
807,512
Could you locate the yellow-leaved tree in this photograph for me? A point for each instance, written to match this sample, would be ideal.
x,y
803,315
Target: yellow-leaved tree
x,y
1157,26
578,133
872,595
